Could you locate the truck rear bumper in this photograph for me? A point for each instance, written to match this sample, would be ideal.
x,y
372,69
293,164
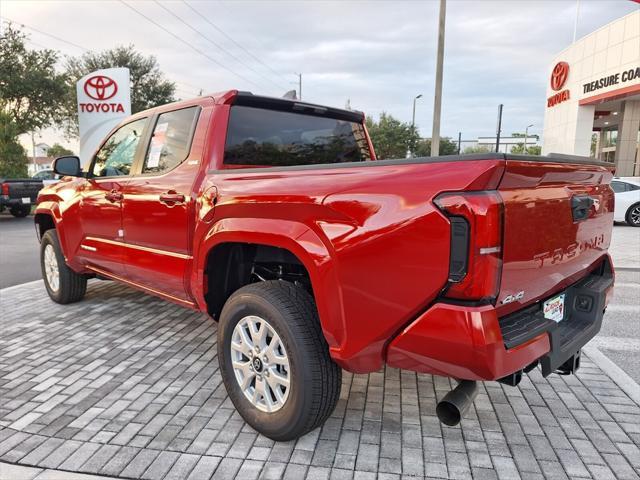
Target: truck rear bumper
x,y
472,343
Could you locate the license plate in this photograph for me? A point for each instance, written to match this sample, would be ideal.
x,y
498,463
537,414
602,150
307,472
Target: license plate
x,y
26,200
553,308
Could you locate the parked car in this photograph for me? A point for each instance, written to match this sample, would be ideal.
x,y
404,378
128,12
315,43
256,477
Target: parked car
x,y
627,194
18,194
48,177
274,217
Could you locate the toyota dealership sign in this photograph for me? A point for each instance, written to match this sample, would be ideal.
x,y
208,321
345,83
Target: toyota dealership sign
x,y
104,99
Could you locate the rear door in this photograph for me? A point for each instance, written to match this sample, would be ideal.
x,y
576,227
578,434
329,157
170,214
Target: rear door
x,y
159,206
558,219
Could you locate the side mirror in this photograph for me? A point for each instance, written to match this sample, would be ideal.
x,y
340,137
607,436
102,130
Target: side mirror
x,y
67,166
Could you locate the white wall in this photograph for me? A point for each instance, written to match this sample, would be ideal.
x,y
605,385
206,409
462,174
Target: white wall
x,y
611,49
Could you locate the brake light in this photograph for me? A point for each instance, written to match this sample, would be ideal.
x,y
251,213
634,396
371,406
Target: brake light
x,y
475,264
5,189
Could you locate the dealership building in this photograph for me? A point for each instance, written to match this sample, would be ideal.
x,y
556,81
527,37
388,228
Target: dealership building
x,y
593,97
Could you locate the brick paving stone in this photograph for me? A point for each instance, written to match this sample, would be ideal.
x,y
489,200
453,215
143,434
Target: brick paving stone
x,y
123,384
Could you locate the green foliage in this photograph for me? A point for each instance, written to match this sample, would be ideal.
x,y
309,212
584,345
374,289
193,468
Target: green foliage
x,y
531,149
58,151
477,149
447,147
521,135
391,138
30,89
149,87
13,158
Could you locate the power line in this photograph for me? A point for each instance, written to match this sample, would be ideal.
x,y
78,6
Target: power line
x,y
181,40
44,33
240,61
231,39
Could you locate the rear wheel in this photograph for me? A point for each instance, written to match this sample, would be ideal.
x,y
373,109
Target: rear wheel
x,y
63,284
633,215
275,361
20,211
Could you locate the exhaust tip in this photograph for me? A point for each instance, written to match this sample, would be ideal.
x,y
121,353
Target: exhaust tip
x,y
448,413
454,405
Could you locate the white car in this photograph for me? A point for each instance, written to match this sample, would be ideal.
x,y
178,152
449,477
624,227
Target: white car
x,y
48,177
627,192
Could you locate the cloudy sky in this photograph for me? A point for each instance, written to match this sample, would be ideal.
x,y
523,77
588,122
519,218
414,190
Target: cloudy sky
x,y
377,54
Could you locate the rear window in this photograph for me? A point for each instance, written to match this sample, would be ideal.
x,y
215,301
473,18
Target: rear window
x,y
260,137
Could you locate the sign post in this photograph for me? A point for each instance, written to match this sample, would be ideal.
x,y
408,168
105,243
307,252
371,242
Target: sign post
x,y
104,100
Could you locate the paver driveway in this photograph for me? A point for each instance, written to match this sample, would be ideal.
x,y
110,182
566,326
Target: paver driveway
x,y
125,384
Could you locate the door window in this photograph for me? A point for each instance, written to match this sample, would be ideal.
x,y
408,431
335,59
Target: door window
x,y
171,140
116,155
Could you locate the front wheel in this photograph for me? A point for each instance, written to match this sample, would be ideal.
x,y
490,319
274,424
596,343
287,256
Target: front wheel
x,y
20,211
274,360
633,215
63,284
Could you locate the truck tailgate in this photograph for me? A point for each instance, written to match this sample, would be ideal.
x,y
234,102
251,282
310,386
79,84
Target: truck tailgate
x,y
558,219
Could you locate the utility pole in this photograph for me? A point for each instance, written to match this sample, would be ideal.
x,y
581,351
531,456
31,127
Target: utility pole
x,y
437,101
499,128
526,134
299,86
459,141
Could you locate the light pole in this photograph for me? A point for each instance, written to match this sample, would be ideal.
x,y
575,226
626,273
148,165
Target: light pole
x,y
413,124
526,134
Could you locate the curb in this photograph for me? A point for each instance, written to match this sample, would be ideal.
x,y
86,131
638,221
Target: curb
x,y
14,287
614,372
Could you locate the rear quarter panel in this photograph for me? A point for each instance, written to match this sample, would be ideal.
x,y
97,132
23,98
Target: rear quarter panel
x,y
376,247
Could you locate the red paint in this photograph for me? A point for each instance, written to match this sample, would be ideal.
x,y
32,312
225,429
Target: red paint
x,y
559,76
375,244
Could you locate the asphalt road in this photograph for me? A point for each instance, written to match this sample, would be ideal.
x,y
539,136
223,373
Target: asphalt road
x,y
619,338
19,251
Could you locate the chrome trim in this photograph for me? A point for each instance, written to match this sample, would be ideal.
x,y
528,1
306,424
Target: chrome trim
x,y
87,247
141,248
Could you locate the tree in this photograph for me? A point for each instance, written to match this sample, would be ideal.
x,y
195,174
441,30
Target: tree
x,y
58,151
391,138
447,147
31,90
13,158
531,149
477,149
521,135
149,87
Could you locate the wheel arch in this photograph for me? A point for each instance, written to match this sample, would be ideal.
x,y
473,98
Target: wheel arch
x,y
294,241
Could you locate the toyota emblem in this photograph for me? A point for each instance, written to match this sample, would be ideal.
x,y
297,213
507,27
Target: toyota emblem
x,y
559,75
100,87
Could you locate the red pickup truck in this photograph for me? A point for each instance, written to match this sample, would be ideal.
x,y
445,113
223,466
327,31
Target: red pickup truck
x,y
274,217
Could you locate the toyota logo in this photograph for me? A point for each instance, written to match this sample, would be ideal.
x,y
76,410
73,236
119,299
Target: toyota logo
x,y
100,87
559,75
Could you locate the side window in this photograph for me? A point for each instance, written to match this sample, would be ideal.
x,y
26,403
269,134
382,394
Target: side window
x,y
116,155
171,140
631,187
618,187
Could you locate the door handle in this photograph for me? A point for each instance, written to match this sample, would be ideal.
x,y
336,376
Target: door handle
x,y
171,197
114,196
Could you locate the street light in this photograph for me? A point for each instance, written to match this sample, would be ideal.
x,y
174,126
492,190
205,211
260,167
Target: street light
x,y
413,119
526,134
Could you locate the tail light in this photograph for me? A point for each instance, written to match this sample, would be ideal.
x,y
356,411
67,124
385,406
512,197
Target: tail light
x,y
5,189
475,265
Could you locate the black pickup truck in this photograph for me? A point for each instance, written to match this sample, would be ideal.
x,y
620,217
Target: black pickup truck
x,y
18,194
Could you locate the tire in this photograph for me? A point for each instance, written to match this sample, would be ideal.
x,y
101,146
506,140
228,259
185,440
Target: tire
x,y
633,215
314,379
20,211
71,286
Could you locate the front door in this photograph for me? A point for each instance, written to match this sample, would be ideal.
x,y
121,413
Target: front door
x,y
101,199
158,207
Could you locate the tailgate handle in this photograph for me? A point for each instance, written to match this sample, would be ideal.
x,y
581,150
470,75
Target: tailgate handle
x,y
580,207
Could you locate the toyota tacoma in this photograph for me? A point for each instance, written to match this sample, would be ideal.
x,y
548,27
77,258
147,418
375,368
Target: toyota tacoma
x,y
274,217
